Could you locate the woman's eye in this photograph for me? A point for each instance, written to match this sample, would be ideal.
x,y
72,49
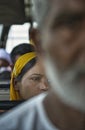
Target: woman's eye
x,y
36,78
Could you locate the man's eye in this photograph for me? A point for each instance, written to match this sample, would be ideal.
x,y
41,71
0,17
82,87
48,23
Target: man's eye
x,y
69,23
64,23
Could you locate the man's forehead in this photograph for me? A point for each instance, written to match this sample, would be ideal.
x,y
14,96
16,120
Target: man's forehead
x,y
69,5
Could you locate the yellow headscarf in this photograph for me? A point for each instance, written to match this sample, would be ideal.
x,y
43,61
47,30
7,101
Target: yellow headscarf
x,y
32,43
20,63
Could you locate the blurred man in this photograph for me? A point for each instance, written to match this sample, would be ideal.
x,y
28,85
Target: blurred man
x,y
62,25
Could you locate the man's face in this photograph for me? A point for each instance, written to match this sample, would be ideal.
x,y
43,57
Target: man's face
x,y
64,44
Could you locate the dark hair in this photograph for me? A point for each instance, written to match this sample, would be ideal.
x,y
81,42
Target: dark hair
x,y
27,67
20,50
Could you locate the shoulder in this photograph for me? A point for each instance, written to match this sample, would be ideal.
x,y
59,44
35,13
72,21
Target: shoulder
x,y
21,115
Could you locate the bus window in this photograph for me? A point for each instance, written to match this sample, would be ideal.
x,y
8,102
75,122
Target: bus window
x,y
1,28
17,34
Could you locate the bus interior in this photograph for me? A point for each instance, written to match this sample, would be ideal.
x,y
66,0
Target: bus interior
x,y
15,21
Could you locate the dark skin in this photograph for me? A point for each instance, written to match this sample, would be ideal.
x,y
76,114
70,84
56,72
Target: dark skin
x,y
69,43
66,47
34,35
63,116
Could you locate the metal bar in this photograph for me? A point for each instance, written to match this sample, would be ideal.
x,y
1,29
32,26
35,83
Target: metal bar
x,y
6,105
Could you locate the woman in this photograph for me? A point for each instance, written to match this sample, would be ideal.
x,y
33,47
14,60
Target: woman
x,y
19,50
28,77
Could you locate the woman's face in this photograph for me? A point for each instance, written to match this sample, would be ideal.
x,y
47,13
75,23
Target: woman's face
x,y
33,82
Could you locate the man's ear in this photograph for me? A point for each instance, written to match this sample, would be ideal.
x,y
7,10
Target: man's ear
x,y
36,38
16,84
38,45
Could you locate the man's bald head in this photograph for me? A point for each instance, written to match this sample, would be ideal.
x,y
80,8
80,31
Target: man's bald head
x,y
42,8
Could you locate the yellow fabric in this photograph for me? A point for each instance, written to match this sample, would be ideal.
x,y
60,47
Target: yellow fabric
x,y
20,63
31,42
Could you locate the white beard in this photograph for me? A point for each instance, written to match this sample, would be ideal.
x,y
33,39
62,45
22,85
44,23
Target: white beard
x,y
66,86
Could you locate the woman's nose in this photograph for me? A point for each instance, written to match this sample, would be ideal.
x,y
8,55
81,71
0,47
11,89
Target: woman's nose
x,y
43,86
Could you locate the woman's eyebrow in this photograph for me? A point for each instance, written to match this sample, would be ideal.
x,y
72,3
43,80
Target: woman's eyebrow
x,y
36,74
